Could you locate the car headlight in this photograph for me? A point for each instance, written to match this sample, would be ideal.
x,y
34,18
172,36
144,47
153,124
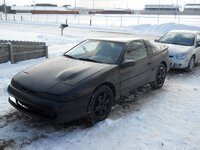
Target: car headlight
x,y
74,96
59,88
181,56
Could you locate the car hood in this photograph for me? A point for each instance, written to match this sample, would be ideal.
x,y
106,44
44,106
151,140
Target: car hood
x,y
175,49
44,76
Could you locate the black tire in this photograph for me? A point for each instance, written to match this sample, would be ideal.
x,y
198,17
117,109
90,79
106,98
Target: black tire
x,y
160,77
100,105
191,64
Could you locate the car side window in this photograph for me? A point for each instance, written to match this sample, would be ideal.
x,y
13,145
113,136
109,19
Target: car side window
x,y
136,50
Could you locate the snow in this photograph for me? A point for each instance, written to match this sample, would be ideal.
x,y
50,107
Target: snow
x,y
162,29
104,20
110,23
167,118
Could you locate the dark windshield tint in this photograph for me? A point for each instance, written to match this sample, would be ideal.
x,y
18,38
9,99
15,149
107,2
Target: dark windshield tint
x,y
186,39
97,51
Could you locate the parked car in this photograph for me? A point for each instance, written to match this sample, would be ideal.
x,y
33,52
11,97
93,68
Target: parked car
x,y
88,79
184,48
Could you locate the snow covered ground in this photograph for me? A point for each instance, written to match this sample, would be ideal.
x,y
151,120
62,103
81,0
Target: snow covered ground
x,y
105,20
156,119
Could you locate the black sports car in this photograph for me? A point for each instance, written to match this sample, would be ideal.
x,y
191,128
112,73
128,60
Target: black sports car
x,y
88,79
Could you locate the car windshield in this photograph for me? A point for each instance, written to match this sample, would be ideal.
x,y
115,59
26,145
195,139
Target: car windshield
x,y
186,39
97,51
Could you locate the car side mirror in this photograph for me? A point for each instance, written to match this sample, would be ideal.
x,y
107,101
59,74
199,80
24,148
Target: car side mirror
x,y
127,63
198,44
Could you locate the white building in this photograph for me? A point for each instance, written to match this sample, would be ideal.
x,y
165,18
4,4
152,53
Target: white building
x,y
157,7
28,9
192,8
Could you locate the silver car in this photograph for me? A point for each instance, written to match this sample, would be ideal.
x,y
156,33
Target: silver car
x,y
184,48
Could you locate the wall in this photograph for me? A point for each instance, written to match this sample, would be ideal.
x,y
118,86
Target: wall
x,y
16,51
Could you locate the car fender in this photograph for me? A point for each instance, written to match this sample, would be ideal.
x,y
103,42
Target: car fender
x,y
190,53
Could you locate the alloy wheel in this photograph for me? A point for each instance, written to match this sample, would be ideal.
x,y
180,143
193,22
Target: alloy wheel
x,y
191,64
161,76
102,104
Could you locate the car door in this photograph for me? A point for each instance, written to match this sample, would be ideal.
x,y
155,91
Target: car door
x,y
137,74
154,54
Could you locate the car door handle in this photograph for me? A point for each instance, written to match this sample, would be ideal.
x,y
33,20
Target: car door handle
x,y
149,63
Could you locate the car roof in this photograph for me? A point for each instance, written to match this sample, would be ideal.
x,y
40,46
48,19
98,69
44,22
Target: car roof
x,y
123,40
186,31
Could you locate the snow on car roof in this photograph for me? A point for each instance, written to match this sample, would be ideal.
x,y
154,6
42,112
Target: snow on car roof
x,y
125,40
186,31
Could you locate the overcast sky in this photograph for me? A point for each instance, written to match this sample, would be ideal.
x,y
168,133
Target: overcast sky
x,y
134,4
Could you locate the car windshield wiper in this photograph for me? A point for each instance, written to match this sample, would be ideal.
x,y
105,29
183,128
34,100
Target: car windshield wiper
x,y
87,59
161,41
69,56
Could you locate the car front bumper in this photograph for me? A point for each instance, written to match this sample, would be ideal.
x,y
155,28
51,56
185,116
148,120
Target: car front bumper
x,y
178,64
60,112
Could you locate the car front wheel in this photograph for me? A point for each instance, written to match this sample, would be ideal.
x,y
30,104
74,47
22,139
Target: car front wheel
x,y
100,105
160,77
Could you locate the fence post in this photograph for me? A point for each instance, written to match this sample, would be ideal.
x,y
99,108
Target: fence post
x,y
158,20
138,19
56,18
90,22
78,18
46,50
121,21
179,19
61,31
10,47
106,20
66,21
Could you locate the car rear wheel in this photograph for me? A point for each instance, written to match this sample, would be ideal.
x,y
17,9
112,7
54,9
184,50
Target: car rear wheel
x,y
191,64
100,105
160,77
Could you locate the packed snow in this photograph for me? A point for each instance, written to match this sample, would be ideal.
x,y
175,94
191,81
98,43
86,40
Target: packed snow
x,y
167,118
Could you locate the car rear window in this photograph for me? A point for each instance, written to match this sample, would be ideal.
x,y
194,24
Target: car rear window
x,y
152,48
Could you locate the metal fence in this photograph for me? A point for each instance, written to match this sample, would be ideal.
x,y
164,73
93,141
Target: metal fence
x,y
16,51
103,19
